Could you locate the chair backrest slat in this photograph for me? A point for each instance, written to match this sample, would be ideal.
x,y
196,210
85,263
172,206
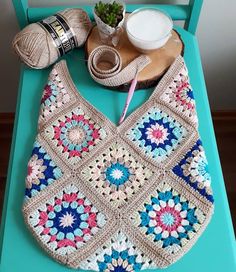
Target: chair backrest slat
x,y
192,22
189,12
21,9
177,12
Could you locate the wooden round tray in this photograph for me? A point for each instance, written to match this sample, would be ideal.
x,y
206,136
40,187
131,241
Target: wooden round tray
x,y
161,59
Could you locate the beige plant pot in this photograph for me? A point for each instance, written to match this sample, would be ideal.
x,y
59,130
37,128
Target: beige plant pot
x,y
110,35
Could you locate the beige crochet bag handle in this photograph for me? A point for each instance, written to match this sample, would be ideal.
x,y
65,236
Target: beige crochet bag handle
x,y
115,76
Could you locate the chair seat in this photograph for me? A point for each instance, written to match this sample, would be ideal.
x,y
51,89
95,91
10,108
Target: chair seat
x,y
214,250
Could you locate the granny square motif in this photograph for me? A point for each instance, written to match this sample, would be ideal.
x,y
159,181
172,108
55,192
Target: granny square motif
x,y
103,197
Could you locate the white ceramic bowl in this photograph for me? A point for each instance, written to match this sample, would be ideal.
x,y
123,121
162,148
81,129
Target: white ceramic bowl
x,y
148,29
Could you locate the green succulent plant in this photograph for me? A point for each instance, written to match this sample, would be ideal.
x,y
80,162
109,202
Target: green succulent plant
x,y
110,13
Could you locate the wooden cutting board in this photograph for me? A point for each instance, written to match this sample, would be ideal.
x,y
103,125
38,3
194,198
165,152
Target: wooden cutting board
x,y
161,59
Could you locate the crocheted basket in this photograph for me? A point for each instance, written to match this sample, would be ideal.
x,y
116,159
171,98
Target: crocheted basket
x,y
104,197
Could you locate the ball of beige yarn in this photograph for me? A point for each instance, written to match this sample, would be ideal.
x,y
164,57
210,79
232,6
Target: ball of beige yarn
x,y
35,46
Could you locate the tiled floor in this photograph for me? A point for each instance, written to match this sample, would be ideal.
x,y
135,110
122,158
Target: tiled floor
x,y
225,129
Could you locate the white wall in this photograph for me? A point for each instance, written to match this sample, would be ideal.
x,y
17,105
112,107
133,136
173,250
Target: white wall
x,y
217,39
9,65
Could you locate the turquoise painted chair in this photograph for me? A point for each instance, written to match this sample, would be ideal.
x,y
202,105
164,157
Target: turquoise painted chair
x,y
214,251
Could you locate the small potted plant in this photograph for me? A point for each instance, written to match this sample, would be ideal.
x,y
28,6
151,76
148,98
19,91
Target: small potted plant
x,y
110,19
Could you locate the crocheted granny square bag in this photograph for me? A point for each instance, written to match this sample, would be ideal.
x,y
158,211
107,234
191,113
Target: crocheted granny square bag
x,y
118,198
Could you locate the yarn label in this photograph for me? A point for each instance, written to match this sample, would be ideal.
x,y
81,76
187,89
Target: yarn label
x,y
63,37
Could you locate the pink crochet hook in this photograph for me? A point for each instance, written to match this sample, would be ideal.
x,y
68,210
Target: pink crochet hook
x,y
129,97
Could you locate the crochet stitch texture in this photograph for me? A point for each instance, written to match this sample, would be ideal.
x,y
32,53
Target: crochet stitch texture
x,y
118,198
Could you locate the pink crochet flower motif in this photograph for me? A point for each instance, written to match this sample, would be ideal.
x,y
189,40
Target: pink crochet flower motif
x,y
167,218
184,94
54,96
35,171
157,134
77,134
47,93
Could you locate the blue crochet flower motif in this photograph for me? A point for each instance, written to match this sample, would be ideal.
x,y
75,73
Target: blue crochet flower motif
x,y
157,134
190,94
70,218
193,169
67,220
117,174
119,262
168,218
42,171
